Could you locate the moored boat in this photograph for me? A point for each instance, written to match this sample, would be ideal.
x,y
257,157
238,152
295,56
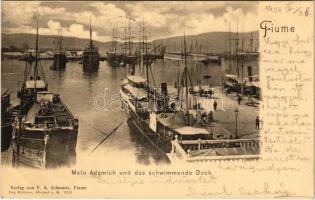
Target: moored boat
x,y
47,134
179,125
60,61
45,131
60,58
6,121
91,56
114,58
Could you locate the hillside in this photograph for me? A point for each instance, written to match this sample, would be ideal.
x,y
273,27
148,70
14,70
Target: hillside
x,y
213,42
45,41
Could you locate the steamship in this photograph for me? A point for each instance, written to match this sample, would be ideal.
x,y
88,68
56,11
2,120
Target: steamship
x,y
91,56
45,131
60,57
6,120
177,124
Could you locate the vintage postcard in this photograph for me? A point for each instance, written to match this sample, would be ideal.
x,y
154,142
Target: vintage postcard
x,y
157,99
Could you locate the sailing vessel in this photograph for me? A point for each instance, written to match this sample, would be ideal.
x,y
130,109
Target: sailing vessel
x,y
91,56
45,131
177,124
60,58
114,58
129,57
6,120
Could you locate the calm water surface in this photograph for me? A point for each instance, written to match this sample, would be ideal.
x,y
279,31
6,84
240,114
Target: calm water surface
x,y
79,90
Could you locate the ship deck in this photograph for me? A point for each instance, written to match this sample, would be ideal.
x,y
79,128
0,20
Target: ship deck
x,y
53,115
6,157
234,151
176,120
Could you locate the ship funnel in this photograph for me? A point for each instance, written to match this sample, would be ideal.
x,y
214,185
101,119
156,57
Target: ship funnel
x,y
249,73
164,89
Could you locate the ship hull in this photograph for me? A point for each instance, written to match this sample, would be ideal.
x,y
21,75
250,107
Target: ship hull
x,y
130,60
114,59
6,133
90,61
6,121
45,148
60,61
155,138
47,134
159,139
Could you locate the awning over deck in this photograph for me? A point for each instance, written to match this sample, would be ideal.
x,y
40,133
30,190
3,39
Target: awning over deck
x,y
135,92
230,76
136,79
255,84
35,84
188,130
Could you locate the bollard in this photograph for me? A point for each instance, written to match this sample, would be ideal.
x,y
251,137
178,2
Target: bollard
x,y
188,153
199,143
173,150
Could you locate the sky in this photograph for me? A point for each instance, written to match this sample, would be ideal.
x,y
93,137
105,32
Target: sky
x,y
161,19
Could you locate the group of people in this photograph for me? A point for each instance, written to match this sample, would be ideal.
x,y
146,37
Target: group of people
x,y
207,119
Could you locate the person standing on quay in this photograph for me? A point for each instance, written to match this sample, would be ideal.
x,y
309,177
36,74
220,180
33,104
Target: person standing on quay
x,y
257,123
239,98
215,104
210,117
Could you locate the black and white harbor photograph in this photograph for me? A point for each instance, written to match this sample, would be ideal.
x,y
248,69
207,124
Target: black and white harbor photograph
x,y
154,83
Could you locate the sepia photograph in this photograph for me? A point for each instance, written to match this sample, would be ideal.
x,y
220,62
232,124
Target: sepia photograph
x,y
170,90
154,85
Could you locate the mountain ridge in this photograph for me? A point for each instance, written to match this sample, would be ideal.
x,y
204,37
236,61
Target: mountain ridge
x,y
213,42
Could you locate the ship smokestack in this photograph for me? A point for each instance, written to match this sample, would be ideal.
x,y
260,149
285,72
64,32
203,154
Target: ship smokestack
x,y
164,89
249,73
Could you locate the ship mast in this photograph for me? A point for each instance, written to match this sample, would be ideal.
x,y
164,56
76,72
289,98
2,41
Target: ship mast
x,y
60,40
242,65
146,58
186,77
91,41
175,50
251,42
242,37
130,35
230,45
238,72
129,38
113,42
36,57
142,47
147,67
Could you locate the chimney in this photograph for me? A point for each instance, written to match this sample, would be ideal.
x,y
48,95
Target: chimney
x,y
164,89
249,73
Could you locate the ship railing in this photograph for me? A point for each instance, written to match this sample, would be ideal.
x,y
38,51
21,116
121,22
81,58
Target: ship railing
x,y
181,149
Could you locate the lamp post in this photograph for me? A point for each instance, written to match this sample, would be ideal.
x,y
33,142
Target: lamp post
x,y
236,114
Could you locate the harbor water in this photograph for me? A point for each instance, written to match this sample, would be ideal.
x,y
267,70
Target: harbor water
x,y
85,95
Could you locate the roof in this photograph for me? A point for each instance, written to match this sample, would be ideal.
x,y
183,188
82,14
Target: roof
x,y
230,75
171,90
44,92
255,84
188,130
254,76
37,83
136,79
203,87
4,92
137,93
235,151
